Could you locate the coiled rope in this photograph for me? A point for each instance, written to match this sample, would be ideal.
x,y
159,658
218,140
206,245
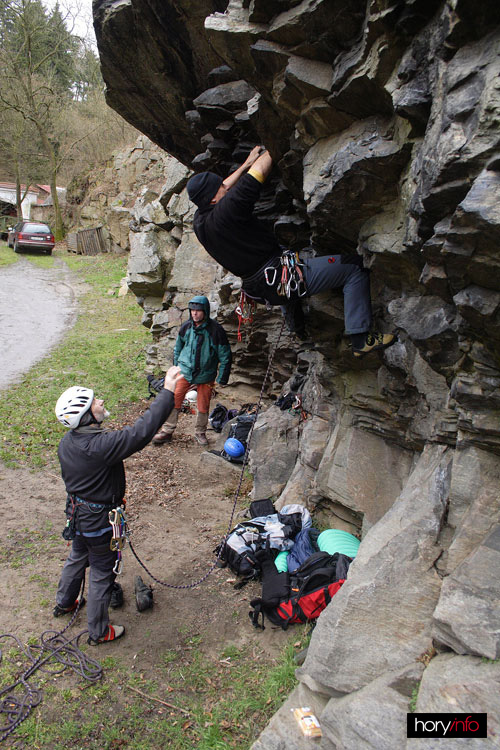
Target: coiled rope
x,y
56,654
54,645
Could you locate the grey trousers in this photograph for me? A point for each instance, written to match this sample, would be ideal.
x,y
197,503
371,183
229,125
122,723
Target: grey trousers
x,y
346,272
93,552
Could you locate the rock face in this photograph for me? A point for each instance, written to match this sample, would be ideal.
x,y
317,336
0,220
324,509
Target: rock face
x,y
383,123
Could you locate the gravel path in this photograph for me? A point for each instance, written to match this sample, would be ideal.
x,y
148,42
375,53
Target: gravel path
x,y
37,305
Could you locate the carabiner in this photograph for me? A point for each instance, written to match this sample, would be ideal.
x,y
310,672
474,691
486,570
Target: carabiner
x,y
266,275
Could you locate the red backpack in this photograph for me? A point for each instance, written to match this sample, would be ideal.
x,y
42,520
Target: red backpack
x,y
297,597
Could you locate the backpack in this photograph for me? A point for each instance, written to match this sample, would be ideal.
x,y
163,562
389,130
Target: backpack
x,y
220,415
241,427
155,385
241,547
239,430
289,598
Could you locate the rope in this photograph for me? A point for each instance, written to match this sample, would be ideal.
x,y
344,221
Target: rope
x,y
67,653
194,584
53,645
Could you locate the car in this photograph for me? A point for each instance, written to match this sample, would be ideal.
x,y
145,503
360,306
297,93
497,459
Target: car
x,y
31,235
10,236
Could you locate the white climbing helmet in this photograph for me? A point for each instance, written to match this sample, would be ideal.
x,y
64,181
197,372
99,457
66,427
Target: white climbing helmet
x,y
192,396
72,405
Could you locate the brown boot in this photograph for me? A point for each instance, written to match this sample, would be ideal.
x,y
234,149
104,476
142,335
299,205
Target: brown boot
x,y
200,428
162,437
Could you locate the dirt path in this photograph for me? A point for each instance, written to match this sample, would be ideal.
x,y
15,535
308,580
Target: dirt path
x,y
179,505
37,305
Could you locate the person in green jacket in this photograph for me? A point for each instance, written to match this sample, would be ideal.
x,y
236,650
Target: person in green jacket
x,y
201,351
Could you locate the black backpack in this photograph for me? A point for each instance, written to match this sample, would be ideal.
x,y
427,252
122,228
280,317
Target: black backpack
x,y
298,597
239,549
241,428
220,415
155,385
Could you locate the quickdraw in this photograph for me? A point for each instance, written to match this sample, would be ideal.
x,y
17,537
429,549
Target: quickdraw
x,y
292,276
297,408
120,533
244,311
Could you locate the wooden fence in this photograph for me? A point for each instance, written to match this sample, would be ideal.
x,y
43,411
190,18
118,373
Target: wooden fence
x,y
87,241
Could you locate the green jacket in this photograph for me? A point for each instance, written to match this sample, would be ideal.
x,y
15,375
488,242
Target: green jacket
x,y
201,351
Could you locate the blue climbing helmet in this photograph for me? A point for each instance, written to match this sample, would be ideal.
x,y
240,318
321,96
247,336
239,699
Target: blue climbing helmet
x,y
234,448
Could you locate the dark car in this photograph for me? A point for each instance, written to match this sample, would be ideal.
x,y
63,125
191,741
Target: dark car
x,y
31,235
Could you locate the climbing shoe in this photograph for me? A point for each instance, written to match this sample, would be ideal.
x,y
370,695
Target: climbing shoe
x,y
374,341
60,611
143,595
116,596
112,633
162,437
201,438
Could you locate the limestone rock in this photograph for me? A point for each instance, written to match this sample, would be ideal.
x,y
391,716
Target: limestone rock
x,y
362,472
373,718
380,618
467,617
382,122
460,684
275,447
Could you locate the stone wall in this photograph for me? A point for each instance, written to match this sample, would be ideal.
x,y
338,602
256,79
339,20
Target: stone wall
x,y
383,123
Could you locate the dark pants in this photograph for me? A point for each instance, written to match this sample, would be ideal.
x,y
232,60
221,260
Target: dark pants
x,y
344,272
93,552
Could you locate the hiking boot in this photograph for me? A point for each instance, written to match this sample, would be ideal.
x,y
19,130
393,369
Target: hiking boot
x,y
143,595
112,633
60,611
162,437
374,341
201,438
116,596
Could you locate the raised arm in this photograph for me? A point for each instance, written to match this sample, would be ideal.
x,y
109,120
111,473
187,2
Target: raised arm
x,y
256,160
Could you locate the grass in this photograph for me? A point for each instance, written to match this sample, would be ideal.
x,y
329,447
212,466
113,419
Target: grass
x,y
228,697
104,351
412,706
7,256
210,703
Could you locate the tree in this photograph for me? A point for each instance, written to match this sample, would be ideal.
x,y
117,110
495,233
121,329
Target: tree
x,y
37,77
26,160
53,114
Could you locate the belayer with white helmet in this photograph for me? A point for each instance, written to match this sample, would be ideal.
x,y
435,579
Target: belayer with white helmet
x,y
203,353
92,468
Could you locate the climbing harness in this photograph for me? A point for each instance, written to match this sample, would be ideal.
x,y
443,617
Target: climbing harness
x,y
291,277
119,526
244,311
285,278
216,564
67,652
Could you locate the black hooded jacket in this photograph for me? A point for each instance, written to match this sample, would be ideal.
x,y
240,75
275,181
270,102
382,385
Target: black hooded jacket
x,y
231,232
92,460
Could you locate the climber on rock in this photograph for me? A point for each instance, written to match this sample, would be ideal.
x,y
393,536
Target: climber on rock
x,y
226,225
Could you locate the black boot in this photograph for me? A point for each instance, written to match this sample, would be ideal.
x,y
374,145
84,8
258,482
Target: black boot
x,y
116,600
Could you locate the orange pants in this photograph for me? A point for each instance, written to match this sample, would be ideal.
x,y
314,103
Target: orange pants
x,y
204,391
